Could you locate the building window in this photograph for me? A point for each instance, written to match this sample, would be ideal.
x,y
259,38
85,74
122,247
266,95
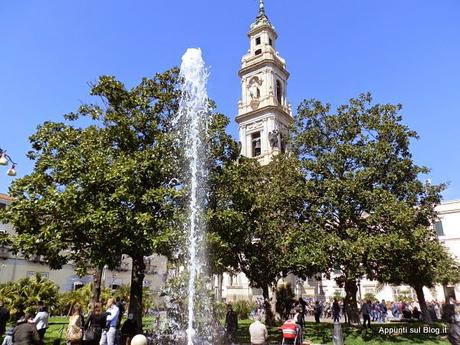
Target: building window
x,y
258,51
438,228
279,92
257,41
270,42
33,273
77,286
256,146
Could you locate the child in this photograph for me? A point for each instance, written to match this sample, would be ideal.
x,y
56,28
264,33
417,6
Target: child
x,y
8,340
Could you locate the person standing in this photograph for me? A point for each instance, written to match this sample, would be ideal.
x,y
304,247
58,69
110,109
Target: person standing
x,y
258,331
121,307
317,311
231,324
366,311
74,333
335,311
25,332
129,329
113,313
41,320
453,333
383,311
94,325
4,317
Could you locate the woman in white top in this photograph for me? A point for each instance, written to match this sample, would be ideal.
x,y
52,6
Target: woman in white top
x,y
41,321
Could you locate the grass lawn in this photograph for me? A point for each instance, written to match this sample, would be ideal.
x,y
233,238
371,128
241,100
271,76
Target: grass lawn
x,y
409,333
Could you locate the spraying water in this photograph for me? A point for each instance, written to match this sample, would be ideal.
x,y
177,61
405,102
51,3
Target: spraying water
x,y
193,112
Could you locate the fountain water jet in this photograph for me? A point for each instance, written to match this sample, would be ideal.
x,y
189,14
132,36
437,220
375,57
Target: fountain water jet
x,y
193,113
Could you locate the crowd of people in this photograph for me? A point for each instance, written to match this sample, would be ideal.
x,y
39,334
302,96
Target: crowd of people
x,y
103,327
98,328
375,311
370,311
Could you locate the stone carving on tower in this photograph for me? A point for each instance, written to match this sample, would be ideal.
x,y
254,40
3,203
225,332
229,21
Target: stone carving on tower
x,y
264,114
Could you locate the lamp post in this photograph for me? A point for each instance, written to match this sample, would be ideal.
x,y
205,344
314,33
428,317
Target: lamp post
x,y
4,160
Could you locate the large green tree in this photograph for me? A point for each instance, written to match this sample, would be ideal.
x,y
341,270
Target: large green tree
x,y
255,210
412,253
104,182
110,180
358,166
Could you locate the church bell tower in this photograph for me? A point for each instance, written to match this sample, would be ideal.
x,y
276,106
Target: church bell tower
x,y
264,114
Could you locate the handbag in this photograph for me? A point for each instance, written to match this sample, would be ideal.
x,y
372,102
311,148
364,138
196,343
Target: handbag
x,y
89,334
74,336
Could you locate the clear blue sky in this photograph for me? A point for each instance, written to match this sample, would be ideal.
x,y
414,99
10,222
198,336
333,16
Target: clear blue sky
x,y
403,51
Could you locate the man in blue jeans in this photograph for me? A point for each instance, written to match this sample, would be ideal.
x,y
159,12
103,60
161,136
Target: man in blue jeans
x,y
113,313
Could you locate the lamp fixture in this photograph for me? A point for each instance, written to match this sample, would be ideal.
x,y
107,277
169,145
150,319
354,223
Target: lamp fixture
x,y
12,171
5,159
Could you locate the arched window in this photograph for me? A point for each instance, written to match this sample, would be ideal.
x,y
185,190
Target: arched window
x,y
279,92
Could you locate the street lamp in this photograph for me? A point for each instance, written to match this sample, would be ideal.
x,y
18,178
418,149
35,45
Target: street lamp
x,y
4,160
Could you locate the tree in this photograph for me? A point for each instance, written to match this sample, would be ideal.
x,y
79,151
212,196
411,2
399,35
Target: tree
x,y
361,178
105,189
255,208
114,186
413,255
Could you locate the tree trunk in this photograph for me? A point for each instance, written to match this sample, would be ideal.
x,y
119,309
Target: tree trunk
x,y
97,281
269,319
426,317
350,303
137,281
220,278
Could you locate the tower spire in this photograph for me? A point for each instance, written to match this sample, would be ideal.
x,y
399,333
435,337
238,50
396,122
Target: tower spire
x,y
261,7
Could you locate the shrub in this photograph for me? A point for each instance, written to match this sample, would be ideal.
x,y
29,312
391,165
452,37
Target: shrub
x,y
243,308
369,296
220,310
24,294
284,300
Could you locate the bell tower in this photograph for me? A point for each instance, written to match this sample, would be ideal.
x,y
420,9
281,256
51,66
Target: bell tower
x,y
264,114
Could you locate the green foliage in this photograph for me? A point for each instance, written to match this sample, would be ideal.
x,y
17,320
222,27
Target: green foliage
x,y
68,299
243,308
255,207
25,294
284,300
102,190
113,186
404,296
365,200
337,295
369,296
220,309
